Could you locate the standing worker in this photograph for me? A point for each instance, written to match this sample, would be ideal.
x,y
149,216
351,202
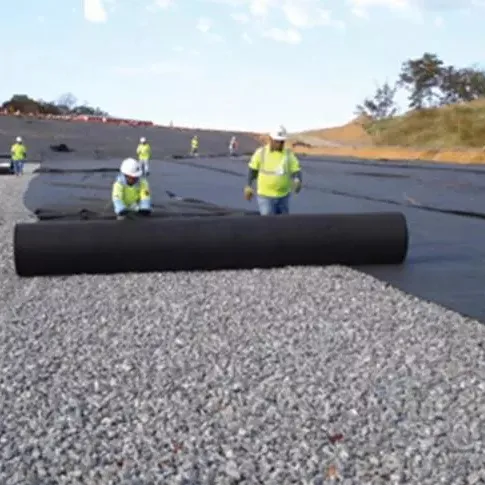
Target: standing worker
x,y
233,146
194,149
144,152
131,192
18,153
277,171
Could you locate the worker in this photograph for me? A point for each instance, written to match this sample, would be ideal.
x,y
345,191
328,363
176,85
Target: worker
x,y
194,149
18,153
277,172
131,192
233,146
144,153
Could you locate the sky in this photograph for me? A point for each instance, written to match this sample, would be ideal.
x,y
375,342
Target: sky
x,y
231,64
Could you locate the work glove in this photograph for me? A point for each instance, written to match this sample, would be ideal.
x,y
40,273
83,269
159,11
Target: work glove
x,y
297,185
144,212
248,193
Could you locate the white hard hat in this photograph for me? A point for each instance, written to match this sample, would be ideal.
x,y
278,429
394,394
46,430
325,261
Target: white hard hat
x,y
18,139
279,134
131,167
143,139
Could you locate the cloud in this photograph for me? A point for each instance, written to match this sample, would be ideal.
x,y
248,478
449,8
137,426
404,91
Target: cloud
x,y
265,16
306,13
94,11
163,3
204,25
156,5
439,21
260,8
287,36
246,38
240,17
180,49
416,6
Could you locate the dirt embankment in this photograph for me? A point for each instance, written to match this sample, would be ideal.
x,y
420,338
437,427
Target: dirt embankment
x,y
454,133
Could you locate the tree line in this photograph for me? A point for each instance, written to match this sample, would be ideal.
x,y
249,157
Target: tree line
x,y
67,104
429,82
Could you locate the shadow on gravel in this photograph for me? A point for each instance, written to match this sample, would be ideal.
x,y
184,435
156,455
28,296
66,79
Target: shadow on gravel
x,y
444,206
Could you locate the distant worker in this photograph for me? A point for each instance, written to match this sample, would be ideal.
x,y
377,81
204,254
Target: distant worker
x,y
144,153
194,148
18,153
131,192
277,172
233,146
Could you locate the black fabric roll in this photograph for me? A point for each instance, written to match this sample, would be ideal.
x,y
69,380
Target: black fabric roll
x,y
5,169
208,243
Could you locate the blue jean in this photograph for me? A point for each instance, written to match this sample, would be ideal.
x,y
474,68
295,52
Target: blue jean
x,y
274,205
145,166
18,166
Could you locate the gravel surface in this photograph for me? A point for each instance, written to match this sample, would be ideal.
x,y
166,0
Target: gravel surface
x,y
304,376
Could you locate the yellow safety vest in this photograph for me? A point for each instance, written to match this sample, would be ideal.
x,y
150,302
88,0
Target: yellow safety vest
x,y
18,152
275,170
195,142
144,152
131,195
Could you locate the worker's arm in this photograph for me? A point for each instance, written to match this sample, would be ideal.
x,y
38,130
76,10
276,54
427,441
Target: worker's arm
x,y
254,165
295,171
138,150
295,168
149,151
145,196
117,198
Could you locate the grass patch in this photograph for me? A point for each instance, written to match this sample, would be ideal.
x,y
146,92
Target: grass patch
x,y
454,126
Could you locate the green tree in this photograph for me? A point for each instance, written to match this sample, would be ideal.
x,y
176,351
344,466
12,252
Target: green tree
x,y
422,78
65,104
461,85
381,106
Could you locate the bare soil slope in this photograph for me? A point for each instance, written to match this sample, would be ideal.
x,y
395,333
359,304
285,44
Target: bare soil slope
x,y
349,134
453,133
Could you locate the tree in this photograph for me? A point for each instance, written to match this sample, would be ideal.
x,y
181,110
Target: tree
x,y
461,85
65,104
422,78
382,105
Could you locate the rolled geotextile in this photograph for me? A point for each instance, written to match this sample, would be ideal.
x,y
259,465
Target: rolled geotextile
x,y
5,168
208,243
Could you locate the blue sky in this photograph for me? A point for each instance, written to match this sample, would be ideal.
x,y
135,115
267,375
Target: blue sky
x,y
235,64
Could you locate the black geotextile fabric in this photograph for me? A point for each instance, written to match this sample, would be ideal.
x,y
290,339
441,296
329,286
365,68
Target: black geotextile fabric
x,y
210,243
74,190
174,207
444,205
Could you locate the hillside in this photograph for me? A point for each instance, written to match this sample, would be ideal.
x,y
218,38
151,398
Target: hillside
x,y
453,126
453,133
350,133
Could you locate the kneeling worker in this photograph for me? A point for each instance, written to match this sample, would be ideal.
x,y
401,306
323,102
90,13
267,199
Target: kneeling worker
x,y
277,172
131,192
